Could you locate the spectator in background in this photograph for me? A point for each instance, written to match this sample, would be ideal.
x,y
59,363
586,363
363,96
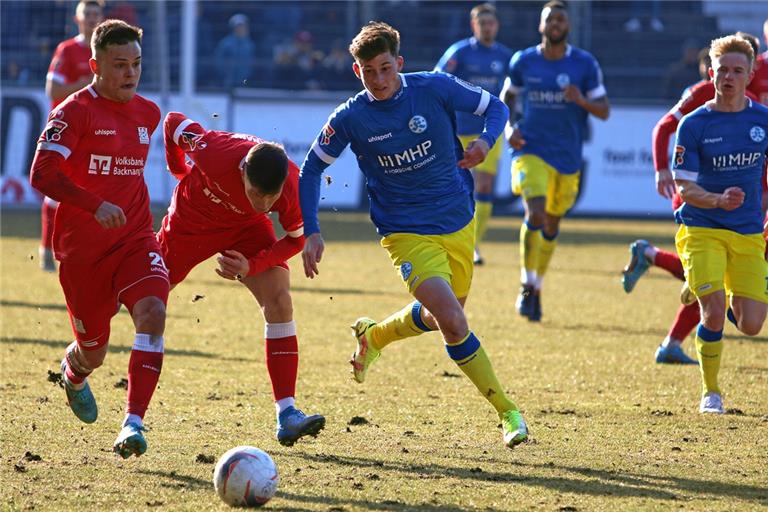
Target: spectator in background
x,y
759,83
123,11
299,62
68,73
644,9
15,74
336,66
235,53
682,73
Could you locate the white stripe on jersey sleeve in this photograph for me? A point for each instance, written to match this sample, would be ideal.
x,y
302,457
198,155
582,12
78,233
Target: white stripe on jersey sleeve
x,y
597,92
50,146
180,128
56,77
680,174
325,157
485,99
677,115
296,233
509,86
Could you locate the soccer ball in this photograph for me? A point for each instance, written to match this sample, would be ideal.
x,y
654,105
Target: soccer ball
x,y
245,477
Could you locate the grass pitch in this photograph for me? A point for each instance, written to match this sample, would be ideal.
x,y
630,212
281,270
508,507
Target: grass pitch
x,y
610,429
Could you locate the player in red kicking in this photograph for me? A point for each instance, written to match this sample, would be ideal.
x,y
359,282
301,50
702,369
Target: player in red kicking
x,y
91,159
643,255
220,206
759,84
68,72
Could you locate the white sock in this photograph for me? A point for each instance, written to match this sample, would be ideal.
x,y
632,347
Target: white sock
x,y
537,285
284,403
650,253
671,342
71,385
528,277
133,418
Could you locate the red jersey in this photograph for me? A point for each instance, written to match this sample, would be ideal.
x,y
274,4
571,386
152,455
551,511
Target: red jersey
x,y
759,84
69,63
94,150
214,184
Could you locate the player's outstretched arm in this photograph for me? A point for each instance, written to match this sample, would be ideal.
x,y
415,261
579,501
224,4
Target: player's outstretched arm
x,y
309,198
695,195
312,254
47,178
665,184
173,125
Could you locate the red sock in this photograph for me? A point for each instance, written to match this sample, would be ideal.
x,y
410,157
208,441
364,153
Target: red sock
x,y
72,376
283,365
687,318
143,373
46,219
670,262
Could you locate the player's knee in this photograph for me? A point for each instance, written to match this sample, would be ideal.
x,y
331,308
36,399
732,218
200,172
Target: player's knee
x,y
751,326
279,305
85,361
453,324
149,315
536,218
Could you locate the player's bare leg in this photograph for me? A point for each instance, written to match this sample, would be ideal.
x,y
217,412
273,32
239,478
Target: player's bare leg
x,y
271,289
530,249
749,314
483,208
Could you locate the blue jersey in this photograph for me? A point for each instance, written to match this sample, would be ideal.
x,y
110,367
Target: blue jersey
x,y
718,150
552,127
407,149
484,66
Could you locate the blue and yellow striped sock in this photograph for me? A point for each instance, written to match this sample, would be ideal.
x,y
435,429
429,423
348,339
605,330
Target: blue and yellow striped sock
x,y
405,323
473,361
709,347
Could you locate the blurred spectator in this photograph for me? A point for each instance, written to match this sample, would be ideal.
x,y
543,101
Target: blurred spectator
x,y
235,53
15,74
641,9
123,11
682,73
335,68
299,62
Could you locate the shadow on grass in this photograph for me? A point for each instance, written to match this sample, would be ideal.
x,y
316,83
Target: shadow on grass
x,y
60,344
63,307
178,480
597,482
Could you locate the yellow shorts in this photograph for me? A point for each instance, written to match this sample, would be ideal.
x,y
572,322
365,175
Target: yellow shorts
x,y
491,162
533,177
716,259
420,257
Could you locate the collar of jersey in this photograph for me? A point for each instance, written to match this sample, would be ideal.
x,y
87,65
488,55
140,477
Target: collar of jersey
x,y
747,105
568,49
372,98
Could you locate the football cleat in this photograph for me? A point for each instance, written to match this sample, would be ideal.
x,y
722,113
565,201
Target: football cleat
x,y
478,259
514,428
81,401
637,266
686,295
536,309
673,354
711,403
293,424
130,441
525,301
366,354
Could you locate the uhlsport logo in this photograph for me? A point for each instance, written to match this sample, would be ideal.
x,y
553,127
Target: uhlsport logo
x,y
417,124
405,270
757,134
100,164
563,80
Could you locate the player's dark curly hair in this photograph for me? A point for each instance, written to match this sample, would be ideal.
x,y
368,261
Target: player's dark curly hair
x,y
375,38
266,165
117,32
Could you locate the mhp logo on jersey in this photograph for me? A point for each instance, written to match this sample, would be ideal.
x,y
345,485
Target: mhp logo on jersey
x,y
405,270
54,129
757,134
100,164
328,132
143,135
417,124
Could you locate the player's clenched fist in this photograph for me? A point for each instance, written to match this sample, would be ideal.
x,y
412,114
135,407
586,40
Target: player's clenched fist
x,y
109,215
731,198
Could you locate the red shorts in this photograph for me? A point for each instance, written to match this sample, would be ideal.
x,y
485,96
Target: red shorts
x,y
94,291
185,245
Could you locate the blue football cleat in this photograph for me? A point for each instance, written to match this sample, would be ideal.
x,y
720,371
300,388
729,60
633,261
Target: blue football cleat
x,y
130,441
535,315
293,424
525,301
637,266
673,354
81,401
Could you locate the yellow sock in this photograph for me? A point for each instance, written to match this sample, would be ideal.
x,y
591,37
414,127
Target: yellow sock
x,y
709,347
482,214
530,243
404,324
473,361
546,249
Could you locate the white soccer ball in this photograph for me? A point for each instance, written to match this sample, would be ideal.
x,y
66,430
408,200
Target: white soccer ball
x,y
245,477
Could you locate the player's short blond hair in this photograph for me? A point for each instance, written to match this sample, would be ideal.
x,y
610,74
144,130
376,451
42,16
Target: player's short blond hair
x,y
731,44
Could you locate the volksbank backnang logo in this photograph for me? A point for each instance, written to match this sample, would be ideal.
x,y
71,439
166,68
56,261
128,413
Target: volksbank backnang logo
x,y
100,164
417,124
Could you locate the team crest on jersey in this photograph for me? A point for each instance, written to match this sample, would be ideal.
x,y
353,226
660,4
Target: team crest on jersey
x,y
143,135
328,132
193,140
679,153
757,134
405,270
417,124
53,130
563,80
497,66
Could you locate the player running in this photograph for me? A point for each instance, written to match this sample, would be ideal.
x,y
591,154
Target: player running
x,y
220,206
481,61
91,159
401,128
68,72
560,86
720,150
